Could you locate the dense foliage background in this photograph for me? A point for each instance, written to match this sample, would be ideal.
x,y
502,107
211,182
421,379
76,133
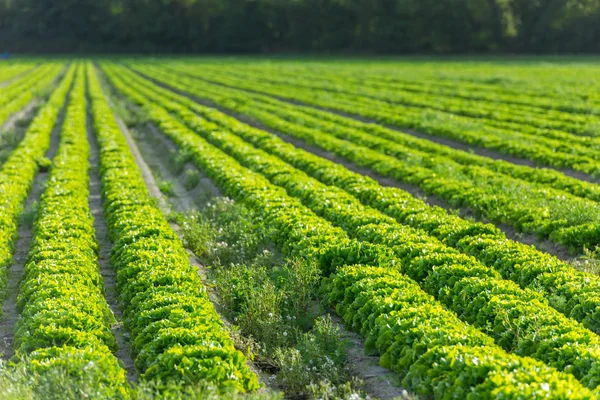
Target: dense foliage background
x,y
379,26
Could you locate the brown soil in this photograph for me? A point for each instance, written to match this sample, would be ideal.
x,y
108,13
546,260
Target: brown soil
x,y
379,382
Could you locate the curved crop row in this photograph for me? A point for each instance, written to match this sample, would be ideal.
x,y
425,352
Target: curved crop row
x,y
567,219
544,151
177,334
347,128
569,291
301,232
18,172
64,320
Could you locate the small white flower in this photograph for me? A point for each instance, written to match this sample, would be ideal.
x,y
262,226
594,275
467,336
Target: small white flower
x,y
545,386
284,333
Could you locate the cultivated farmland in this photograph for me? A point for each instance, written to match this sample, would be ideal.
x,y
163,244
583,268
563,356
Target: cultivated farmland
x,y
323,229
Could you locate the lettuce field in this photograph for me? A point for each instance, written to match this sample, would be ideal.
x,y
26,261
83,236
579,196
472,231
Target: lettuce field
x,y
299,228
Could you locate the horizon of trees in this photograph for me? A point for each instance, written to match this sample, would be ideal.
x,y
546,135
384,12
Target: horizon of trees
x,y
273,26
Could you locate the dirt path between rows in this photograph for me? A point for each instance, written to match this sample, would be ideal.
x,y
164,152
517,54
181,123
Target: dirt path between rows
x,y
15,273
108,273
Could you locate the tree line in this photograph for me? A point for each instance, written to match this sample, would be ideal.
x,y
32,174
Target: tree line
x,y
258,26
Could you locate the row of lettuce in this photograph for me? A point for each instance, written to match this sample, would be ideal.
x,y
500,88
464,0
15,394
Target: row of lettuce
x,y
18,172
529,117
541,202
462,98
526,118
348,128
530,207
541,89
176,333
20,92
12,71
543,150
389,298
572,292
415,299
64,322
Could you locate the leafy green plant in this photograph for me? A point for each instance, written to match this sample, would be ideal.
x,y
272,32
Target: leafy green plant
x,y
19,170
306,218
192,178
167,188
177,335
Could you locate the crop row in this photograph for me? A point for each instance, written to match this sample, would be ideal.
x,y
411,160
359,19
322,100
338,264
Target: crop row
x,y
18,172
541,101
64,320
341,89
8,73
533,208
18,93
176,333
545,151
458,82
537,122
455,279
411,351
571,292
346,128
568,89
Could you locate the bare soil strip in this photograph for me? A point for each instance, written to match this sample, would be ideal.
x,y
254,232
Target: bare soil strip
x,y
379,382
106,270
481,151
9,309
